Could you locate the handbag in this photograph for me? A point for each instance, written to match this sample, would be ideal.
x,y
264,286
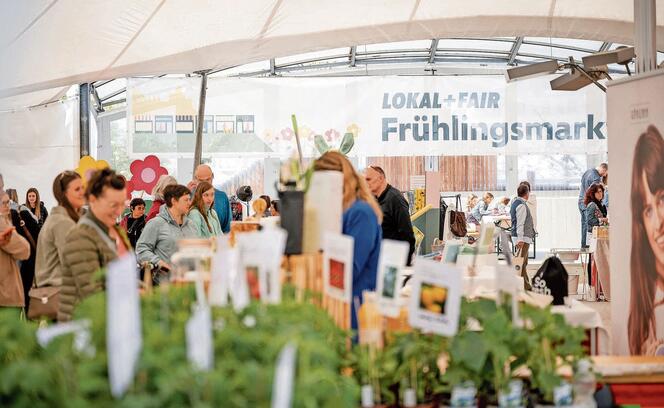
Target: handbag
x,y
44,302
458,223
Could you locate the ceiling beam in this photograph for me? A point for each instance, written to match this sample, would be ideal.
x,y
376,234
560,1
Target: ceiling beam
x,y
432,51
515,50
605,46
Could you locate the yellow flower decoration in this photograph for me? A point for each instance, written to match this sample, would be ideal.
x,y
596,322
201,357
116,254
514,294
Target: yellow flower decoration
x,y
354,129
87,165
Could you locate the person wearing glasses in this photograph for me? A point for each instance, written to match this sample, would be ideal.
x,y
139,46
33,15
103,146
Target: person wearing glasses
x,y
396,223
14,249
94,242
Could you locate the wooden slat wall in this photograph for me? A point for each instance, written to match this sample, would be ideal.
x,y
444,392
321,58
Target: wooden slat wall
x,y
458,173
399,169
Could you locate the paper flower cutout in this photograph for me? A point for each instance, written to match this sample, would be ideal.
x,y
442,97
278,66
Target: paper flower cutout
x,y
287,133
146,173
129,186
88,165
331,134
354,129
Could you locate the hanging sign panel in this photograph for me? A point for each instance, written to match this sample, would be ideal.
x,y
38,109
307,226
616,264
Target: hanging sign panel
x,y
388,116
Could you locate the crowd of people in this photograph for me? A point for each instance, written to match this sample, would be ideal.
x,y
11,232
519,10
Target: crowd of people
x,y
91,225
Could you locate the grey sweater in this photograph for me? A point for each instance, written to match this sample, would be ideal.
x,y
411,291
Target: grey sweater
x,y
158,242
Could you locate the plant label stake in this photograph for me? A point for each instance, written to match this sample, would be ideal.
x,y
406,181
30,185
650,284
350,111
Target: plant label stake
x,y
506,283
80,328
393,257
435,301
200,351
284,377
225,260
123,323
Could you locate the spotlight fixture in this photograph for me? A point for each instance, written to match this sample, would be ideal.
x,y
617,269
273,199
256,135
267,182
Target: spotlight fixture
x,y
621,55
531,70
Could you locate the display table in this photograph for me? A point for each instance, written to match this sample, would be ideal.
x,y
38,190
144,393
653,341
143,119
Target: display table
x,y
633,379
578,314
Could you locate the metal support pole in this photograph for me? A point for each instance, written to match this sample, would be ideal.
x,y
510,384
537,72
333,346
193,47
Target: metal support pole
x,y
84,118
198,150
645,40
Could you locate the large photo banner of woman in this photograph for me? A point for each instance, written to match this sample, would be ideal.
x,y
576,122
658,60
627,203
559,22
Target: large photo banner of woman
x,y
636,153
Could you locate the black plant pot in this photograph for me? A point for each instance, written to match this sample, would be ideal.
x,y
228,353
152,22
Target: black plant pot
x,y
291,210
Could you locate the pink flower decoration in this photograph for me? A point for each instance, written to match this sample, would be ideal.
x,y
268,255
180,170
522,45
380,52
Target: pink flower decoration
x,y
129,185
331,135
287,133
146,173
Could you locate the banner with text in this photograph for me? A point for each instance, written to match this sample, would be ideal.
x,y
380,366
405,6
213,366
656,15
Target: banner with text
x,y
388,116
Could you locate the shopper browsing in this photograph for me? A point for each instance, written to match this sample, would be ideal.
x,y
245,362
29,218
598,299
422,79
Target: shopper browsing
x,y
70,195
221,203
28,226
158,242
158,193
134,222
36,206
202,214
480,209
94,241
589,178
16,248
396,223
523,229
361,220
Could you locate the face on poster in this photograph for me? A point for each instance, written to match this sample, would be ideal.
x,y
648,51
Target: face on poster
x,y
435,300
338,266
636,160
393,257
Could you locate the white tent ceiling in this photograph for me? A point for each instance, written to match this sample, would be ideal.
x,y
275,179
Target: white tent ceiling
x,y
47,44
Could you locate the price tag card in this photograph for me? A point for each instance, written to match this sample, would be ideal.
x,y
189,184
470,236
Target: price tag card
x,y
284,377
338,266
224,268
435,300
200,350
123,323
393,257
260,262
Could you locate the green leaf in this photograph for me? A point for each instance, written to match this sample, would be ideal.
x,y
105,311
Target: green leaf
x,y
347,143
321,144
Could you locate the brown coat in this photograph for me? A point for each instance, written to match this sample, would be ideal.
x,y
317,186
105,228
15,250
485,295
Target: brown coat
x,y
17,249
85,253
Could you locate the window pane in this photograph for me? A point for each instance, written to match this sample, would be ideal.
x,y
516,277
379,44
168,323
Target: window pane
x,y
552,172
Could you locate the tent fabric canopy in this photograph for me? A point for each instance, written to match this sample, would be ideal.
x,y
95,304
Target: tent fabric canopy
x,y
46,44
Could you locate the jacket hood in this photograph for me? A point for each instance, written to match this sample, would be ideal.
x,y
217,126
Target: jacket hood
x,y
163,213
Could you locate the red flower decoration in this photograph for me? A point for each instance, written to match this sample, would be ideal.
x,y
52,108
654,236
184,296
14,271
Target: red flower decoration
x,y
146,173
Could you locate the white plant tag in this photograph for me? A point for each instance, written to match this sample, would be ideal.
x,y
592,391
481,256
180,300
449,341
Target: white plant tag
x,y
435,301
224,265
123,323
393,257
284,377
338,266
200,350
80,328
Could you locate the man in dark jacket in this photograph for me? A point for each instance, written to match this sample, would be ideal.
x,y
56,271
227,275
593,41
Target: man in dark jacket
x,y
396,218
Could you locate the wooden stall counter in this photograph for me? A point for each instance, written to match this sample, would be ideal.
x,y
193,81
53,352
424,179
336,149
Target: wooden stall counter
x,y
633,379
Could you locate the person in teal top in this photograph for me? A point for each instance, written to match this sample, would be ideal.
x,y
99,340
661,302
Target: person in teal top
x,y
202,214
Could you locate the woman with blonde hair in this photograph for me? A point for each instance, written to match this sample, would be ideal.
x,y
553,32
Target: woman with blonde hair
x,y
362,217
158,193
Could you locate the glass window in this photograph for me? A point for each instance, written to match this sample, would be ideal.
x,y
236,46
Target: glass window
x,y
163,124
225,124
183,124
552,172
245,123
208,124
143,124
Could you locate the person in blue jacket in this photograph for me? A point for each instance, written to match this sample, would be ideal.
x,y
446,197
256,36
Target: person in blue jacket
x,y
222,205
362,219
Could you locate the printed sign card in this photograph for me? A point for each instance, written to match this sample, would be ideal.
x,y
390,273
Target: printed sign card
x,y
198,331
123,323
486,238
260,263
338,266
435,300
393,257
